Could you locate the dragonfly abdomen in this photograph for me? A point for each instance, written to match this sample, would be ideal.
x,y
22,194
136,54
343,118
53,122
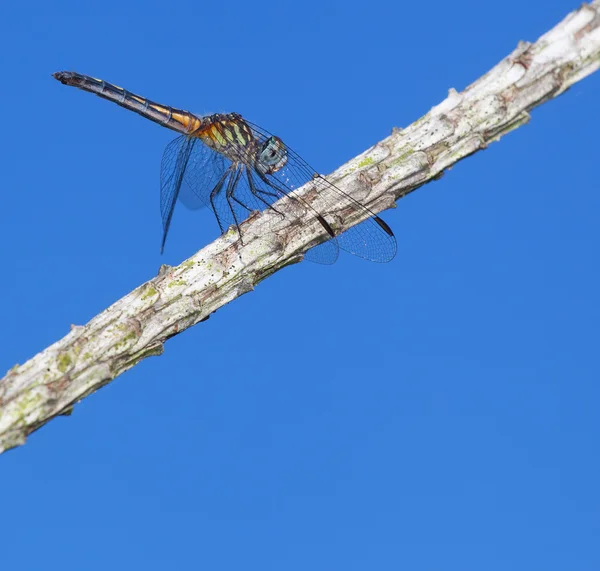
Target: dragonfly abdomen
x,y
175,119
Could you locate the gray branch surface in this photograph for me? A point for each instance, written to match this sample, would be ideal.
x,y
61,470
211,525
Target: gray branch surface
x,y
136,326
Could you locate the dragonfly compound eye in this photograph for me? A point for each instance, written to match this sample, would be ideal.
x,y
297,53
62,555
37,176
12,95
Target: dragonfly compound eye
x,y
273,155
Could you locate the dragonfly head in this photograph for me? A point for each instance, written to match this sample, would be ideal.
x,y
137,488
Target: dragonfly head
x,y
272,155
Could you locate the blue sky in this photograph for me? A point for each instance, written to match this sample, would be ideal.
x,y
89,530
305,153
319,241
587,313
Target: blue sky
x,y
437,412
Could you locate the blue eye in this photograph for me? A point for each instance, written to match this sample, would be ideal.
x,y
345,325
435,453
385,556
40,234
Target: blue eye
x,y
273,155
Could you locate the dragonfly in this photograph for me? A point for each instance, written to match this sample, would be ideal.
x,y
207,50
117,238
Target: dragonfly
x,y
233,167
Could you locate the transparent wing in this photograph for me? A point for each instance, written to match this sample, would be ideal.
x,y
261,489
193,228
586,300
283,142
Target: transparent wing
x,y
172,169
372,239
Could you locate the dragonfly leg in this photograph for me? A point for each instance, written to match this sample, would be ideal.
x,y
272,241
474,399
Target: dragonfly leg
x,y
257,193
242,204
213,194
231,186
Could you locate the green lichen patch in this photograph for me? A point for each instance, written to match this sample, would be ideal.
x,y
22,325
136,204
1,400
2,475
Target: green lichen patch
x,y
63,362
176,283
365,162
27,404
150,292
125,340
402,158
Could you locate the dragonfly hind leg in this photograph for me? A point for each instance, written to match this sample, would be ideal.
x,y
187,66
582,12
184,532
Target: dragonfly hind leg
x,y
213,194
256,192
229,194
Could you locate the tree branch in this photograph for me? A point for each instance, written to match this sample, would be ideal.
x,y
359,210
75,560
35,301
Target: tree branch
x,y
136,326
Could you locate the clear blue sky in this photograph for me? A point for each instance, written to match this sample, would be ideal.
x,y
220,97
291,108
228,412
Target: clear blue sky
x,y
436,413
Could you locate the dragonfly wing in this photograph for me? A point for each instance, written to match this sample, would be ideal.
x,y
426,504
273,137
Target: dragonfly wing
x,y
172,169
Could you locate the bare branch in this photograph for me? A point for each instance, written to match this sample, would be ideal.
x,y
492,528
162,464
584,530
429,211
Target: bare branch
x,y
136,326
